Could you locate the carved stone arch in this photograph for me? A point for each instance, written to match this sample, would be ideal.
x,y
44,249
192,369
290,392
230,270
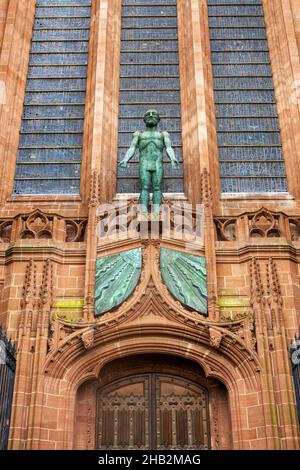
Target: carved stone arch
x,y
228,364
174,389
114,338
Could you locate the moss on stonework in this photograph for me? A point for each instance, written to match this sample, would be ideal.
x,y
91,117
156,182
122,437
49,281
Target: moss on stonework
x,y
227,292
68,303
69,310
230,315
233,302
68,317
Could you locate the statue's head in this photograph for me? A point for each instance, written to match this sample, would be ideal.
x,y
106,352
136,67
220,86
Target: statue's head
x,y
151,118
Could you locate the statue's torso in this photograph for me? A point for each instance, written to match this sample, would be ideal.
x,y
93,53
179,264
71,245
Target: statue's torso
x,y
151,145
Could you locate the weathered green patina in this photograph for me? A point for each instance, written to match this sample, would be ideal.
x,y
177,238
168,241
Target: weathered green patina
x,y
151,144
116,279
185,277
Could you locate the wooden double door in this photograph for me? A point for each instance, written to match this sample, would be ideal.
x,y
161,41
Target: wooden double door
x,y
152,411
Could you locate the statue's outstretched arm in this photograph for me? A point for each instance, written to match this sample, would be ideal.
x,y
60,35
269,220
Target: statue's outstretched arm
x,y
131,151
170,151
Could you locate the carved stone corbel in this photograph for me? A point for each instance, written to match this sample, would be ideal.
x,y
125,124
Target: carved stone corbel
x,y
88,338
215,338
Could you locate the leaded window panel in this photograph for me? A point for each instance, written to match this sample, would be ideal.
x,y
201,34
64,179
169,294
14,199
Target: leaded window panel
x,y
50,146
149,79
250,149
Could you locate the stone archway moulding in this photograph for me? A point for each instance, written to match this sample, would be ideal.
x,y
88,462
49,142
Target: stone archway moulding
x,y
240,376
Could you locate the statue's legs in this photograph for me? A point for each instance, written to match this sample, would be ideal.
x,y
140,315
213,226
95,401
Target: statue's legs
x,y
157,180
145,178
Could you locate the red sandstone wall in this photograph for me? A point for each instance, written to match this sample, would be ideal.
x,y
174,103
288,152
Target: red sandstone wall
x,y
3,13
47,402
296,13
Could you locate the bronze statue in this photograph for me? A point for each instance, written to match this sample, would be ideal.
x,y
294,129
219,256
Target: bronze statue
x,y
151,144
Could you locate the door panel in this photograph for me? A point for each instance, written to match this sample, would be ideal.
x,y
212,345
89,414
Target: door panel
x,y
123,409
181,410
152,411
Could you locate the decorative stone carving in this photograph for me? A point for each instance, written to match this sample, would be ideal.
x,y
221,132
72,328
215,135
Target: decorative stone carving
x,y
75,230
94,198
46,290
226,229
206,189
215,338
294,228
185,277
29,286
36,299
5,231
88,339
37,226
264,224
116,278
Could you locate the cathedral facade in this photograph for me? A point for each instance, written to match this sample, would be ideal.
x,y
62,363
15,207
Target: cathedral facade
x,y
138,332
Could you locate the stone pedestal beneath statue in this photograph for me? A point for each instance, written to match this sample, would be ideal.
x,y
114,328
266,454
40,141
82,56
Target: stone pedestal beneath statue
x,y
150,225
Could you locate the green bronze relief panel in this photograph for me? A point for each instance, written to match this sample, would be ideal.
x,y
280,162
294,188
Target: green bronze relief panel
x,y
185,278
117,277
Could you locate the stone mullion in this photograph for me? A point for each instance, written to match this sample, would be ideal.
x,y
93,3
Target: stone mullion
x,y
190,146
100,38
112,85
97,83
88,133
6,53
210,111
204,118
